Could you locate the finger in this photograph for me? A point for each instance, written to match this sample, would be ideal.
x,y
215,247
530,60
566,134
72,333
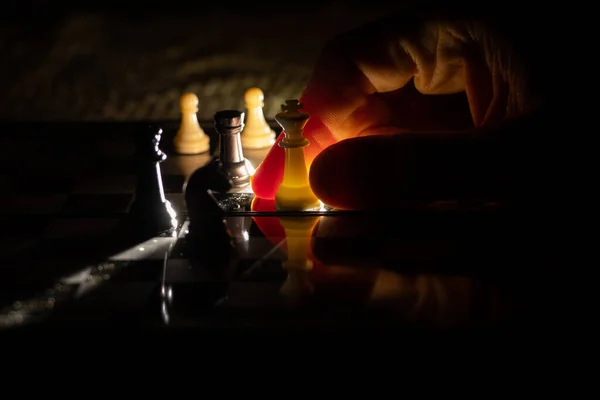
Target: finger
x,y
415,168
414,111
510,164
345,90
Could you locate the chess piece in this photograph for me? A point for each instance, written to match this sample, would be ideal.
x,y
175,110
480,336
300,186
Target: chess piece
x,y
190,138
210,241
298,235
229,124
294,193
151,211
257,133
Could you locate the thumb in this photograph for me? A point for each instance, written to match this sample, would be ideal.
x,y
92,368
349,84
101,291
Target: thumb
x,y
513,163
356,173
388,171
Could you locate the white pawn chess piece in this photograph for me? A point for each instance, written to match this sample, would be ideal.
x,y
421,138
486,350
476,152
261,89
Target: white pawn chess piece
x,y
257,133
190,138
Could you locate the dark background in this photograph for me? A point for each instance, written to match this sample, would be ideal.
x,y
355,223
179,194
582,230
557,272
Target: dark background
x,y
131,60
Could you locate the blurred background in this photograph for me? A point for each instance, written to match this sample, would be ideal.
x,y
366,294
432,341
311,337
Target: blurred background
x,y
131,60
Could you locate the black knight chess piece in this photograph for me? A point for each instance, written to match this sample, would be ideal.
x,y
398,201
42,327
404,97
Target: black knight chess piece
x,y
151,213
209,240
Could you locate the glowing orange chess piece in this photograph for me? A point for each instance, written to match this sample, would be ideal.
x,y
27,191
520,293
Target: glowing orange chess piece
x,y
294,193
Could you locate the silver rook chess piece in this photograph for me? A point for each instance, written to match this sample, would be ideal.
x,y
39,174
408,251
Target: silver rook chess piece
x,y
229,125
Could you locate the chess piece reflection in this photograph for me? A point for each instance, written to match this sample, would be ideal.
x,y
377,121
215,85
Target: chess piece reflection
x,y
166,297
152,212
190,138
229,124
239,227
257,132
294,193
298,234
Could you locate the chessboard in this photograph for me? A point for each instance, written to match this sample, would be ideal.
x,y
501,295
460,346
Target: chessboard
x,y
67,260
67,190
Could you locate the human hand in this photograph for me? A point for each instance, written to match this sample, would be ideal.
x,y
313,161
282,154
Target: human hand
x,y
417,106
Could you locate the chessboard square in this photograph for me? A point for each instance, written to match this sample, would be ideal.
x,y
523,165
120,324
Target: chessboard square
x,y
11,247
80,228
66,254
261,270
54,162
156,248
128,300
261,248
20,145
120,146
255,294
78,277
173,183
20,284
96,204
190,302
70,143
23,225
107,184
182,271
7,182
140,271
73,167
45,184
32,204
109,165
44,265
